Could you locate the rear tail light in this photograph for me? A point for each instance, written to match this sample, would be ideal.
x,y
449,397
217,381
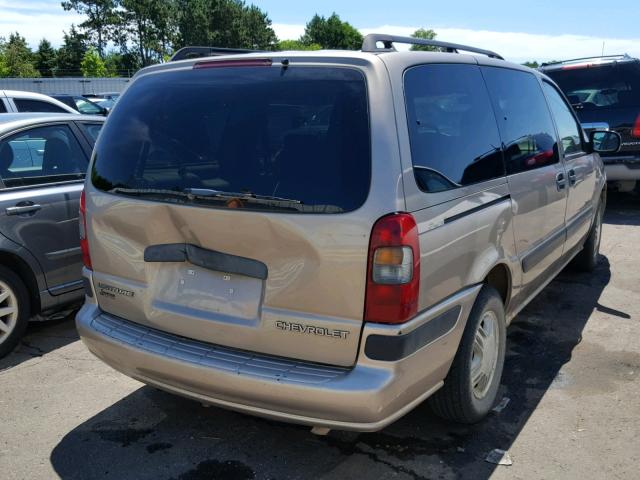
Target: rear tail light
x,y
84,242
636,128
393,273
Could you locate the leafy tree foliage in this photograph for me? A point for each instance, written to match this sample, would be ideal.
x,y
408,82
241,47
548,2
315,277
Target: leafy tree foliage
x,y
92,65
297,45
17,58
70,54
101,20
533,64
427,35
223,23
332,33
45,58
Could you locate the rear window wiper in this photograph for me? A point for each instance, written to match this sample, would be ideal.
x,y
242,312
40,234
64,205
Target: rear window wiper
x,y
206,194
210,192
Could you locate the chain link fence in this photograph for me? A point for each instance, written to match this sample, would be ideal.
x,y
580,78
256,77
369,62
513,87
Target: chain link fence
x,y
68,85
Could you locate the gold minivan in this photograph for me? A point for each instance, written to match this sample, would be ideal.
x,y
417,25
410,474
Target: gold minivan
x,y
330,238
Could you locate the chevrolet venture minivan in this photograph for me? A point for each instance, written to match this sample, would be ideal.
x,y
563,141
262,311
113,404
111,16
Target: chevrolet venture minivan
x,y
330,238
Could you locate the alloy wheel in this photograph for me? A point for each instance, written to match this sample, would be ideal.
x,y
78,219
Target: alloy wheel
x,y
8,311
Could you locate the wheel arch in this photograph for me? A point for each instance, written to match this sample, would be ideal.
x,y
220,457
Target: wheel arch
x,y
21,267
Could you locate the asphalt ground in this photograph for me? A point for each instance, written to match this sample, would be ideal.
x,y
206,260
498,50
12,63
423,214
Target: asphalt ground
x,y
571,377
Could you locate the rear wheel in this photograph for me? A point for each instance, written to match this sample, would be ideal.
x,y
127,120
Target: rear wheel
x,y
587,259
14,310
471,387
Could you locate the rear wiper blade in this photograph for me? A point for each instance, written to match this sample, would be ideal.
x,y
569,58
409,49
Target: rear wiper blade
x,y
210,192
203,194
148,191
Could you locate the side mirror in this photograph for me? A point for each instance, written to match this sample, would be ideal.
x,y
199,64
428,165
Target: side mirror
x,y
605,141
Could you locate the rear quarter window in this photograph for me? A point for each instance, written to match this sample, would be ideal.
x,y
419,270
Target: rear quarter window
x,y
298,134
452,129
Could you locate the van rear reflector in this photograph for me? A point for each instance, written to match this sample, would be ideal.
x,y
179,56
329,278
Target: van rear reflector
x,y
253,62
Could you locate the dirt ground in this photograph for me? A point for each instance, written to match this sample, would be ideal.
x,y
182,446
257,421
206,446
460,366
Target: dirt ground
x,y
571,377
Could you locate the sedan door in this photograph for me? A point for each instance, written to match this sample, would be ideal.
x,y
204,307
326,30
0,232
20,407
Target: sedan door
x,y
42,170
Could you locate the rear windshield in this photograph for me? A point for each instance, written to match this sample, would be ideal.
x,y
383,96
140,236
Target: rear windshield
x,y
596,87
268,138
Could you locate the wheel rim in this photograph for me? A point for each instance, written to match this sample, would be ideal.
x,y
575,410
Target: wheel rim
x,y
484,355
8,311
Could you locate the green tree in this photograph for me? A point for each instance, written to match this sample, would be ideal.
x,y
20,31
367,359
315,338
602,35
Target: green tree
x,y
101,19
332,33
255,29
71,53
92,65
17,57
426,35
45,58
297,45
533,64
149,25
223,23
121,64
4,71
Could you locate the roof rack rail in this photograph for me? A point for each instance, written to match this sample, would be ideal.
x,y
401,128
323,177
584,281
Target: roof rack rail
x,y
199,52
624,56
370,44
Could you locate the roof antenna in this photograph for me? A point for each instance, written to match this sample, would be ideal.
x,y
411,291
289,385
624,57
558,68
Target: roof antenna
x,y
602,54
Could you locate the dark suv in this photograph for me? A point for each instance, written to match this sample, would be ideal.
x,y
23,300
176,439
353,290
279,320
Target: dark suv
x,y
605,93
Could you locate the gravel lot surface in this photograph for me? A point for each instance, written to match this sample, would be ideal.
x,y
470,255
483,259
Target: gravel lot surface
x,y
572,377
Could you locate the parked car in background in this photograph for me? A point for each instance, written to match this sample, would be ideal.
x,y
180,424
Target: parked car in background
x,y
605,93
105,103
81,104
259,235
43,159
12,101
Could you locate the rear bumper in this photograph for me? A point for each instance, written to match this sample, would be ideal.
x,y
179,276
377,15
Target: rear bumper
x,y
366,397
622,168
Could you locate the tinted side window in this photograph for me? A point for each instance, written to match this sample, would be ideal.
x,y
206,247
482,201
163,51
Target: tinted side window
x,y
3,109
92,130
452,128
41,155
567,126
525,123
27,105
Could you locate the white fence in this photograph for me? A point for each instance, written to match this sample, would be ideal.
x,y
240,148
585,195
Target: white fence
x,y
69,85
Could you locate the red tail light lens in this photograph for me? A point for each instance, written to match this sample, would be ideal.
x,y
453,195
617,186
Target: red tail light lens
x,y
636,128
84,243
393,273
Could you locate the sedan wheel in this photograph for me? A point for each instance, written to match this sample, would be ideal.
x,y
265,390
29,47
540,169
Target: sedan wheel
x,y
8,311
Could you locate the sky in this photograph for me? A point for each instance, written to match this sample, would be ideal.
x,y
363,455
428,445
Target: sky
x,y
520,31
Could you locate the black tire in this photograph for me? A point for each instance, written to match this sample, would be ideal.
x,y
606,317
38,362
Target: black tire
x,y
456,400
587,259
21,295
